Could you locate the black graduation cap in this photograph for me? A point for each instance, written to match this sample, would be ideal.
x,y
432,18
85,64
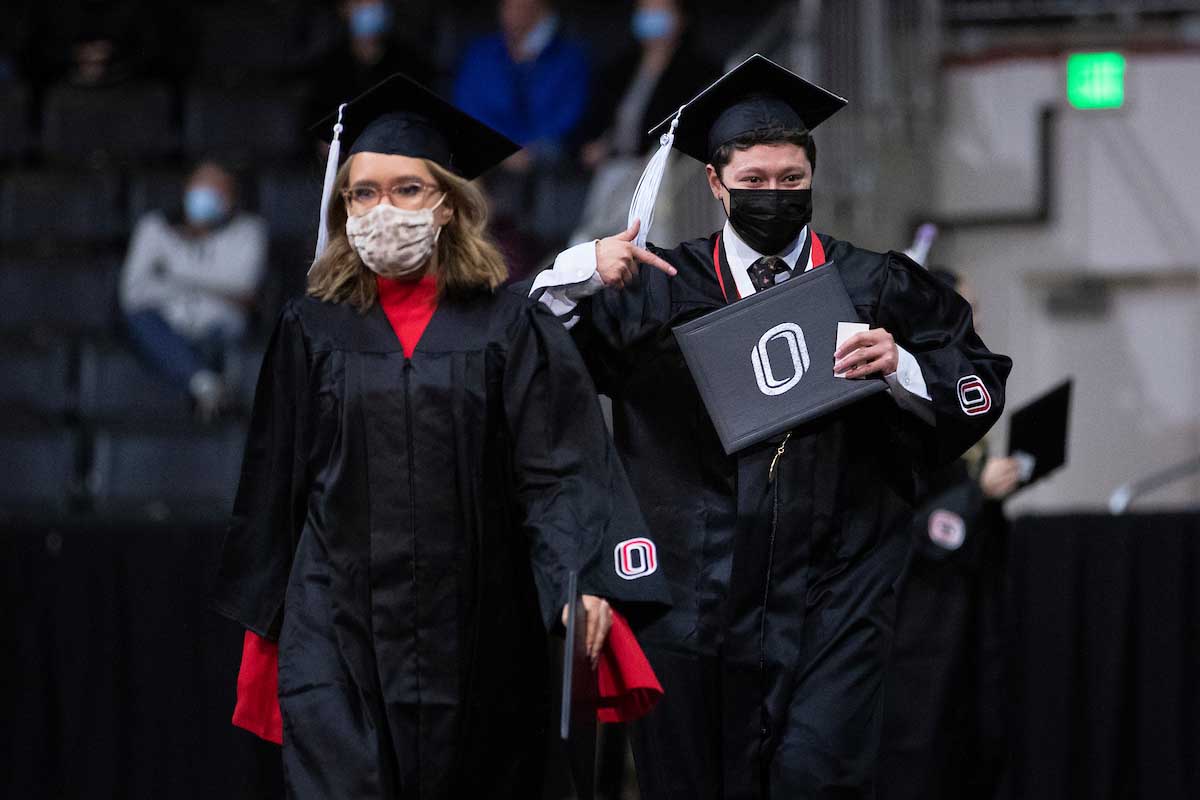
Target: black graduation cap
x,y
755,95
1037,433
399,116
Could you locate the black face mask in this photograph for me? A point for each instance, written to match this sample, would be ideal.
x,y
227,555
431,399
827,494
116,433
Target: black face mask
x,y
769,219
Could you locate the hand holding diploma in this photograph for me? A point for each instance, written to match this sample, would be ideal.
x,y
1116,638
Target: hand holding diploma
x,y
599,622
866,354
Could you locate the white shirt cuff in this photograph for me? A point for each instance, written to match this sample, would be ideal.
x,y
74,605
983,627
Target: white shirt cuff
x,y
908,388
572,278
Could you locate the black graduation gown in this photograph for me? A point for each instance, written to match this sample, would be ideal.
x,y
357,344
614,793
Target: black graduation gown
x,y
773,654
944,722
404,527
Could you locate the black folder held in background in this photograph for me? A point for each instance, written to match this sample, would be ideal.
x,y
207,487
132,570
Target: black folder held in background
x,y
1038,433
764,364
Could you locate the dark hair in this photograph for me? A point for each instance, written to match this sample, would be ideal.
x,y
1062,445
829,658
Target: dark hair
x,y
774,135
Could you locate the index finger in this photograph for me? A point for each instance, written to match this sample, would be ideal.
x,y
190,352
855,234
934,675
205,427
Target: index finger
x,y
646,257
858,340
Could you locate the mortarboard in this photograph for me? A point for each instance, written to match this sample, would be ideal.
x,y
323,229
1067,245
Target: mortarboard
x,y
399,116
755,95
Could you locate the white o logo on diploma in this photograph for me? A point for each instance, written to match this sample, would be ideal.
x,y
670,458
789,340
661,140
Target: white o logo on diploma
x,y
635,558
768,383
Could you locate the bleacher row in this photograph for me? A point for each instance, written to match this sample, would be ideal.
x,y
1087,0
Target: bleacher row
x,y
84,427
93,125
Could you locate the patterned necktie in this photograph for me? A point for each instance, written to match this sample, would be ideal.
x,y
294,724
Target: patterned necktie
x,y
767,271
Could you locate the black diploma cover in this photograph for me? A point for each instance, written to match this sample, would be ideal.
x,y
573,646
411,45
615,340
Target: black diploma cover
x,y
764,364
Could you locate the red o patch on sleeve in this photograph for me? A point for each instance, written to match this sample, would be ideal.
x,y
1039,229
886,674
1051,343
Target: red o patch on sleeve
x,y
973,396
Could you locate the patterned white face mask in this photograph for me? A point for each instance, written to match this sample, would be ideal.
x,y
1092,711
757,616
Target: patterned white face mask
x,y
394,242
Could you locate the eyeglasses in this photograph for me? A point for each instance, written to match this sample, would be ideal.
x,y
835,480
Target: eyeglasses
x,y
406,194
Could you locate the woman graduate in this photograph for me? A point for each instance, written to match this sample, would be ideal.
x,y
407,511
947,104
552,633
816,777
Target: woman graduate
x,y
426,461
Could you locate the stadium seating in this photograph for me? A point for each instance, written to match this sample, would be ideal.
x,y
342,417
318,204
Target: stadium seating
x,y
156,190
39,470
60,207
37,376
57,294
14,120
83,125
243,124
179,470
239,41
290,201
114,385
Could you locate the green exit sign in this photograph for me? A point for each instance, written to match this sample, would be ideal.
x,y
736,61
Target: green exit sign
x,y
1096,80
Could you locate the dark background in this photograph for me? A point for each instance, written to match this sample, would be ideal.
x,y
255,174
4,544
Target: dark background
x,y
123,682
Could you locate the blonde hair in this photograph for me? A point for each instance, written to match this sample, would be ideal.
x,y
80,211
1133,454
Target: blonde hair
x,y
467,260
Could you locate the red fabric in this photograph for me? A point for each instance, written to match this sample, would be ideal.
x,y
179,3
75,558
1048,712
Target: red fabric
x,y
818,251
818,258
628,686
257,708
409,305
717,267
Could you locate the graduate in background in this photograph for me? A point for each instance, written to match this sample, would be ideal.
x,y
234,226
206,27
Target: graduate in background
x,y
426,461
946,699
781,557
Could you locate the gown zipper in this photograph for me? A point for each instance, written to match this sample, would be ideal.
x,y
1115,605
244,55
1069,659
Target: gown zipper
x,y
765,730
412,512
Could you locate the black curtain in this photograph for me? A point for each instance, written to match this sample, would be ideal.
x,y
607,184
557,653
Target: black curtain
x,y
124,682
1106,656
121,682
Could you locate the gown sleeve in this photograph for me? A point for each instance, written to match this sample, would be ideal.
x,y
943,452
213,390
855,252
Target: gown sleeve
x,y
580,511
965,380
268,512
614,322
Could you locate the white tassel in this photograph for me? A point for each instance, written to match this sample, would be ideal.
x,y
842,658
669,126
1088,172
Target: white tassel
x,y
646,193
918,251
331,168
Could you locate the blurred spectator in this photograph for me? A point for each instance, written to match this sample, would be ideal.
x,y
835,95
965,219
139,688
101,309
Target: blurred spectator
x,y
188,286
368,49
635,92
101,42
529,81
637,89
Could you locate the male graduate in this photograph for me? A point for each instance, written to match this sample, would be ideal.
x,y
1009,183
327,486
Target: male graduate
x,y
782,556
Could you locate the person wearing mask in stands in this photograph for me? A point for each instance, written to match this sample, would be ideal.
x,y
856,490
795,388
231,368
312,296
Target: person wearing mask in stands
x,y
370,47
944,722
188,285
637,89
633,92
530,81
